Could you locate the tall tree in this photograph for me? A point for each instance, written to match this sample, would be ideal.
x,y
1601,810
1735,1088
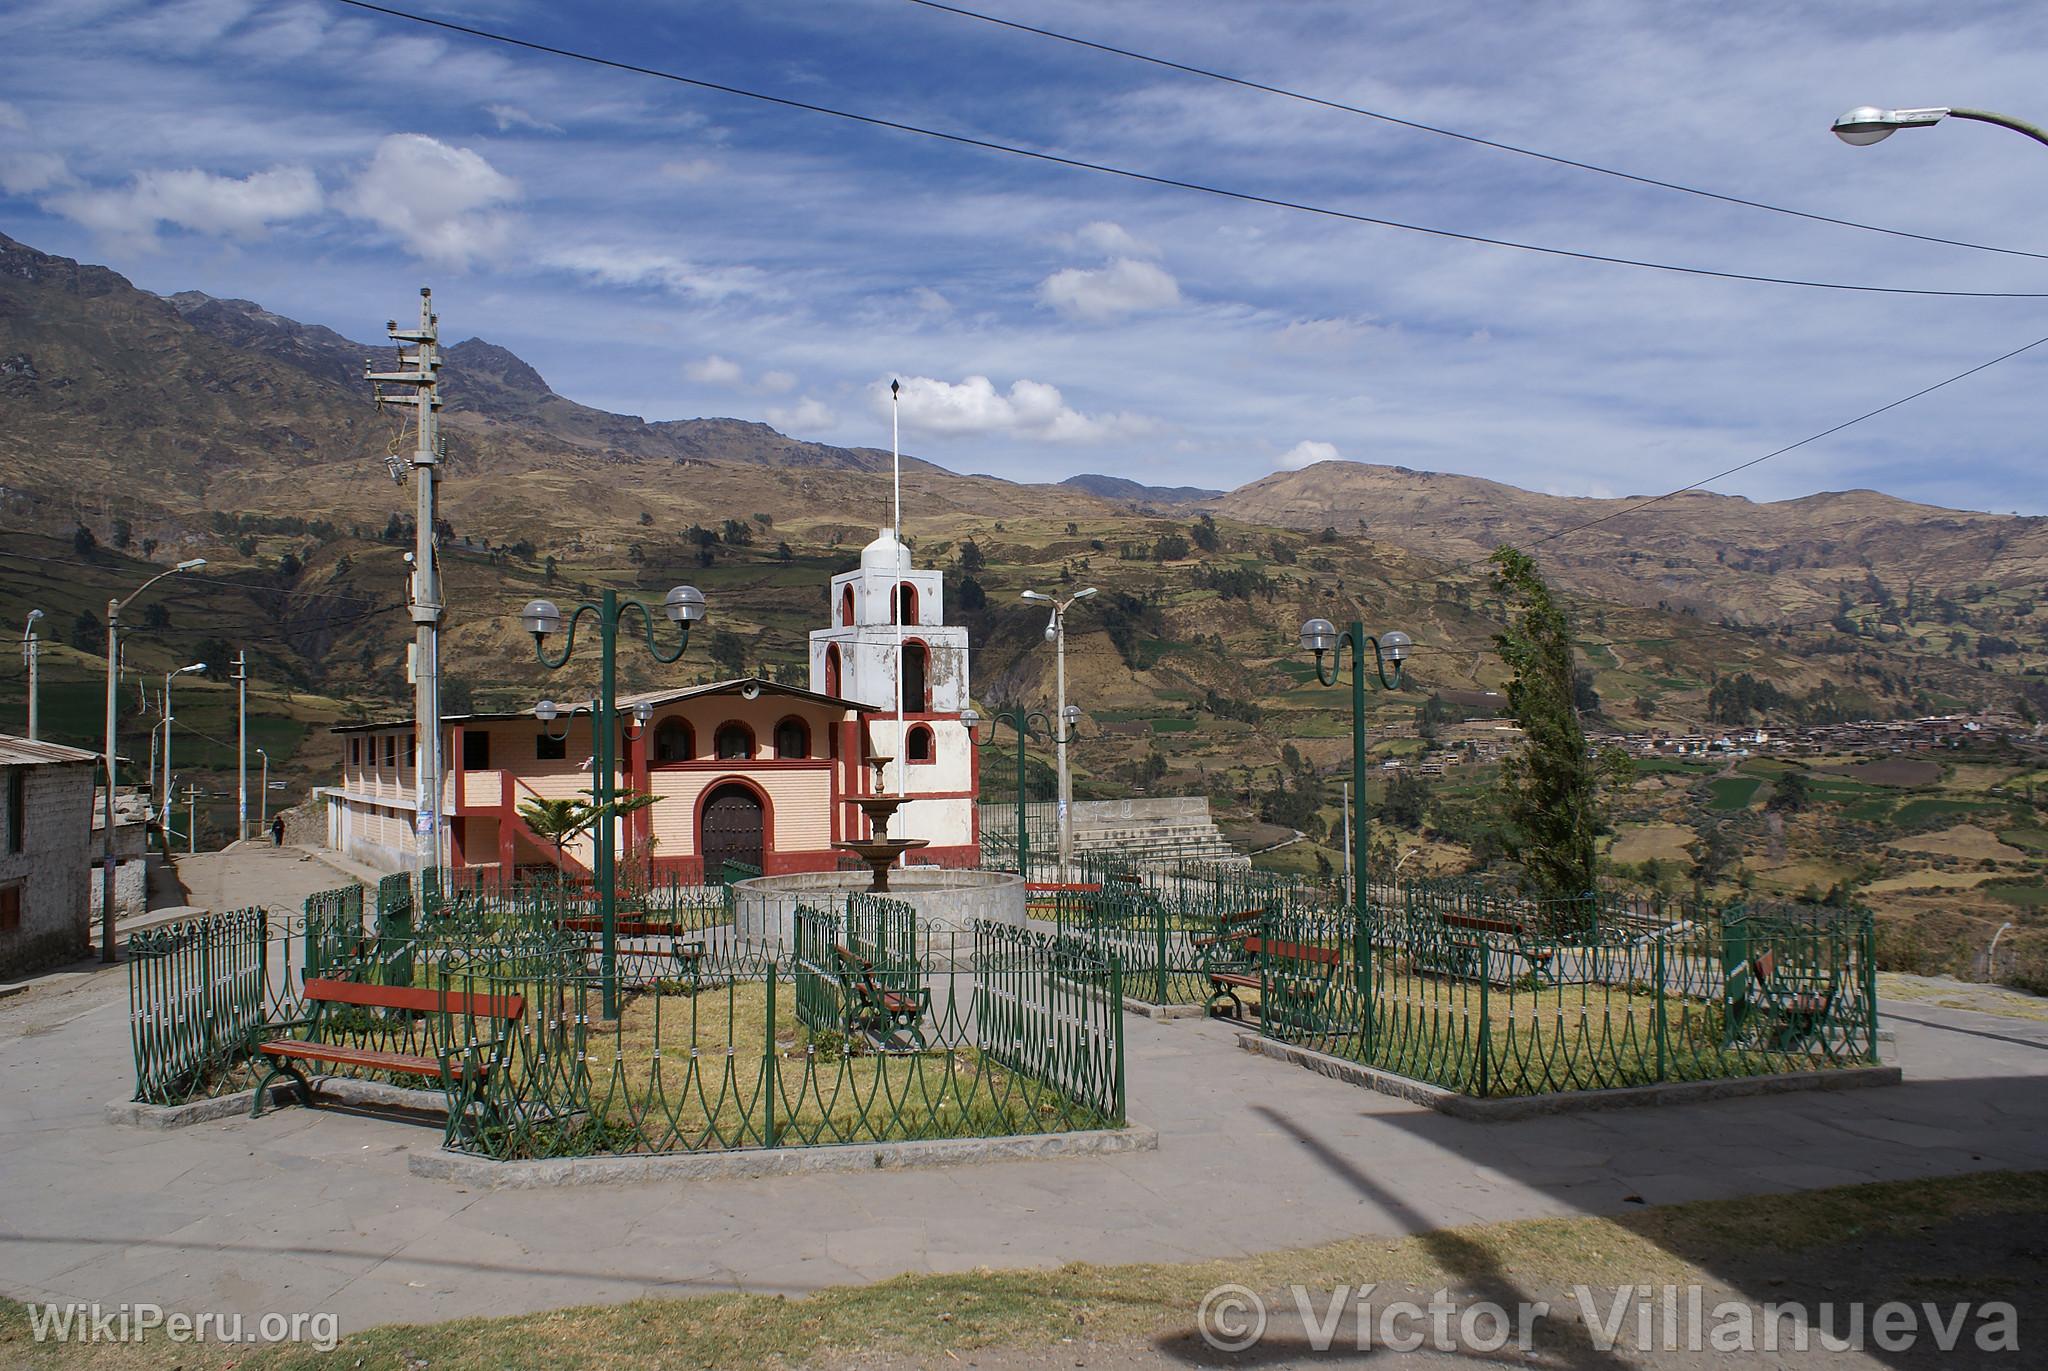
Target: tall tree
x,y
1550,791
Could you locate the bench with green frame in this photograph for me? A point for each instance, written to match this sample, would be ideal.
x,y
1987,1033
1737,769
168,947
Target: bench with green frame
x,y
891,1018
331,1024
686,956
1785,1013
1468,949
1294,981
1224,950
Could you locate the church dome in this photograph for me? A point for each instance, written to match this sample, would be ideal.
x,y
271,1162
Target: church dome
x,y
885,554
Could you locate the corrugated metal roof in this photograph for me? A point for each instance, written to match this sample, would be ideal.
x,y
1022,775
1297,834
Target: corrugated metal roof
x,y
654,698
21,752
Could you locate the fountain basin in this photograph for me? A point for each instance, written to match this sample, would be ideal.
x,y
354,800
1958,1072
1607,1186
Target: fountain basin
x,y
947,901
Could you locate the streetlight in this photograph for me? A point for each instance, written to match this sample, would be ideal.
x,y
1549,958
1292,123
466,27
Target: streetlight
x,y
683,606
30,650
1029,724
1056,634
1867,124
114,608
1321,637
263,800
165,807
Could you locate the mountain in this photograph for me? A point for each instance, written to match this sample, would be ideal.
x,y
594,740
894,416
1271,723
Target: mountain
x,y
1722,556
1122,491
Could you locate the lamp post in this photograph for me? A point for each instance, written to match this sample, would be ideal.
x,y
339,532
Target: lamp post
x,y
263,801
165,808
30,650
1029,724
1321,637
1867,124
683,606
1056,634
114,608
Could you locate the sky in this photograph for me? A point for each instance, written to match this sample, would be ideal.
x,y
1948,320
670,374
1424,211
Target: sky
x,y
672,252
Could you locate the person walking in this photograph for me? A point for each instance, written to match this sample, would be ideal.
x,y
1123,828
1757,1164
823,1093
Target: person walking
x,y
277,831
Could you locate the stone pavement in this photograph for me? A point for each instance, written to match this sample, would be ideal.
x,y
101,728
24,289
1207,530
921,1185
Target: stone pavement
x,y
315,1210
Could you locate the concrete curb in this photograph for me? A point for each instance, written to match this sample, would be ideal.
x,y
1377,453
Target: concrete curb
x,y
1146,1009
327,1090
1568,1102
484,1174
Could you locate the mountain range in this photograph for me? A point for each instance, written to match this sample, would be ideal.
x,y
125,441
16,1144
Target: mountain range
x,y
164,412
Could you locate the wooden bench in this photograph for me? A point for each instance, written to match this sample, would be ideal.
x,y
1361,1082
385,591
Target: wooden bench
x,y
1470,957
885,1015
1224,950
468,1063
1293,980
1798,1011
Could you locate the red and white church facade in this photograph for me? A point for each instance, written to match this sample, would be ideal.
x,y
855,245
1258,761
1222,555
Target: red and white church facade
x,y
744,770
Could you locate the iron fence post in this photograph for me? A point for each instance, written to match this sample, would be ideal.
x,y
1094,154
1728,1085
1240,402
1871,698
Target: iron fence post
x,y
769,1135
1485,1032
1867,938
1662,1012
1159,908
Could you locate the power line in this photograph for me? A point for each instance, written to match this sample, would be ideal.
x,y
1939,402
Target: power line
x,y
1148,178
1341,106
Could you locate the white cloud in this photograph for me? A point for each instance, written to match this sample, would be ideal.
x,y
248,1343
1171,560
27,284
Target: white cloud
x,y
689,170
1113,240
198,200
11,117
1305,453
442,202
713,371
775,383
1097,295
1031,409
929,301
612,265
808,414
511,117
26,173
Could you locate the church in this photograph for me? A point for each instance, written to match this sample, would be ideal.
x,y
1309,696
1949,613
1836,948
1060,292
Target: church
x,y
744,770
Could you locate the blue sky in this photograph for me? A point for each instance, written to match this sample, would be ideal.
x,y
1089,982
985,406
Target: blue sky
x,y
670,252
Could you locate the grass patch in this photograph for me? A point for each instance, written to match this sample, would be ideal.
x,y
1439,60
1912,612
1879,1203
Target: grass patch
x,y
934,1318
1916,813
1732,792
2026,893
2028,839
1173,725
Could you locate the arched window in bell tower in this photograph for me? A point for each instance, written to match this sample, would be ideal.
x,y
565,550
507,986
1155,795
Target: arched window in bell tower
x,y
846,606
916,678
906,603
833,681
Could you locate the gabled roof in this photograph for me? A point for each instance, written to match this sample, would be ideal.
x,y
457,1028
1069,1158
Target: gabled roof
x,y
22,752
655,699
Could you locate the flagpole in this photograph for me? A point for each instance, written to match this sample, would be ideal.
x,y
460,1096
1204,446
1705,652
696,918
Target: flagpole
x,y
896,591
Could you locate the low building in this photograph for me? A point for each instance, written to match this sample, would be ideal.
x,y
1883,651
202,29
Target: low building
x,y
46,853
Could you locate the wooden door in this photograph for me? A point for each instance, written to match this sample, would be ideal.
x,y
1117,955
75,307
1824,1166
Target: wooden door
x,y
732,829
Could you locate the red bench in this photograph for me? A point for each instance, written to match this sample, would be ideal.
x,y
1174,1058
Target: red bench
x,y
477,1059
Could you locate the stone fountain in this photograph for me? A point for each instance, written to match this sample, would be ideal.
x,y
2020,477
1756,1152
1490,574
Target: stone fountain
x,y
881,851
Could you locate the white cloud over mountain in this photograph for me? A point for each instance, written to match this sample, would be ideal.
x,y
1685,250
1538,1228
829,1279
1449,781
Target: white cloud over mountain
x,y
1030,409
445,204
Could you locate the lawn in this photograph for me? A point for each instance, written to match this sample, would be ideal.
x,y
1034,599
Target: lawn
x,y
2027,893
1871,1241
1916,813
1732,792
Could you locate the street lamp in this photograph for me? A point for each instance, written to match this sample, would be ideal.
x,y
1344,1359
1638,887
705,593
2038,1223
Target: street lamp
x,y
683,606
263,799
1322,637
1056,634
165,807
30,650
1867,124
1028,724
114,608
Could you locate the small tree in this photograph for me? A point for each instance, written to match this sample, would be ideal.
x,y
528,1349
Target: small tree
x,y
1550,791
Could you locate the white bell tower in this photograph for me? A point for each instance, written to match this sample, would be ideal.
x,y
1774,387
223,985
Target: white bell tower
x,y
856,659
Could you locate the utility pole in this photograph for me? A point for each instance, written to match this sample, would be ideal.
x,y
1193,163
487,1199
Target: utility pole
x,y
241,744
1056,634
30,645
417,377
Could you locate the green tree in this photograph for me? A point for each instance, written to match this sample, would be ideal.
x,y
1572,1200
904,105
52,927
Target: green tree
x,y
87,633
971,559
83,543
560,820
1406,801
1203,531
1550,791
1171,547
728,652
122,533
1790,793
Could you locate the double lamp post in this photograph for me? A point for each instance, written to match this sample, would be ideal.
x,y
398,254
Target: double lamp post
x,y
683,606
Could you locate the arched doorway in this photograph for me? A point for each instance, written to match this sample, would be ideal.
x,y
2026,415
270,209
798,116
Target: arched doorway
x,y
731,829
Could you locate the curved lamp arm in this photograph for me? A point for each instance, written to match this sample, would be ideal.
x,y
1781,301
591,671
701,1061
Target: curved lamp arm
x,y
568,639
647,631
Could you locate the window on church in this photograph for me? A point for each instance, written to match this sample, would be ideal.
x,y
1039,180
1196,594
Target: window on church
x,y
792,739
832,672
918,746
846,607
734,742
916,678
906,603
673,741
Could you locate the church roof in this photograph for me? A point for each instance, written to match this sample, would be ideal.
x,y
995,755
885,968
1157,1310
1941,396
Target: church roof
x,y
653,698
886,553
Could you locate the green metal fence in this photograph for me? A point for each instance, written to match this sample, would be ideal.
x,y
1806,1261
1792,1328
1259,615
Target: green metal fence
x,y
1505,1011
754,1051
